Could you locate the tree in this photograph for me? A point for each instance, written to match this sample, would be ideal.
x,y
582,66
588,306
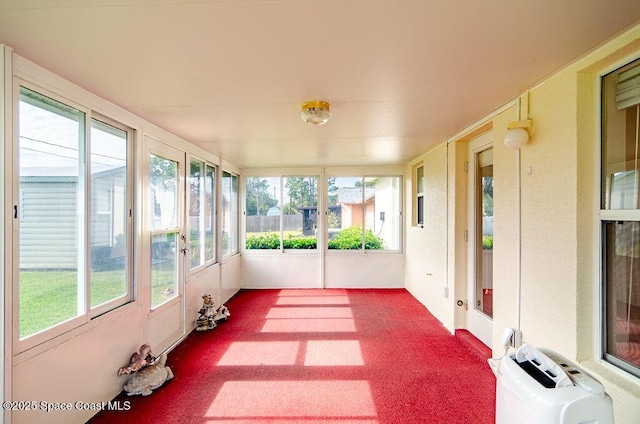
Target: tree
x,y
163,171
259,199
302,191
332,189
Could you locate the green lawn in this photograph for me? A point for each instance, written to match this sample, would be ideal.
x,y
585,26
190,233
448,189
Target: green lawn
x,y
50,297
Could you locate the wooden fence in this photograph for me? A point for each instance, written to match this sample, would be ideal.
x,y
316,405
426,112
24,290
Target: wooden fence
x,y
261,224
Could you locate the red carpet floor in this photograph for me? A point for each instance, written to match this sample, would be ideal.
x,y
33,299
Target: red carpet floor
x,y
320,356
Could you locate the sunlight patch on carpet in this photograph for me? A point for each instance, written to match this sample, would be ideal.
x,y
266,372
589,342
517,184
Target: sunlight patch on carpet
x,y
310,312
288,421
313,292
337,325
303,399
333,353
313,300
260,353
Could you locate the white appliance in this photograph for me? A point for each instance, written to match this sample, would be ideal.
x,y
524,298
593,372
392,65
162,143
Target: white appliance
x,y
538,386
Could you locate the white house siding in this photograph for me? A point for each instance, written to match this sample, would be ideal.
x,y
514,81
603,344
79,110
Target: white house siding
x,y
48,237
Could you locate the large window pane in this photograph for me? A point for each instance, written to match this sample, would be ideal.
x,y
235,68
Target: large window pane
x,y
297,218
300,213
108,212
196,213
622,259
51,186
263,213
382,213
209,213
201,213
351,205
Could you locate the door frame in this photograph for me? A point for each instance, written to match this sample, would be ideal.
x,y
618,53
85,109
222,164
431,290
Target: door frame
x,y
166,324
478,324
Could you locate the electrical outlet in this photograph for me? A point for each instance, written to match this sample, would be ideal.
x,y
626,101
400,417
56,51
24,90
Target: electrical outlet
x,y
507,337
516,340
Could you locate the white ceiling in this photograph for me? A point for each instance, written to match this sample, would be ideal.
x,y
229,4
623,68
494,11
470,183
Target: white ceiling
x,y
230,75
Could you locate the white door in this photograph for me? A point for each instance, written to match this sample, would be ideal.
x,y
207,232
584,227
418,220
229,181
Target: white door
x,y
166,243
480,239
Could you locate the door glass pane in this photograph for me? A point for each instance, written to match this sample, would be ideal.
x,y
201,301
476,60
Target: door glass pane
x,y
51,210
622,276
300,213
382,213
164,268
108,212
484,235
164,193
165,230
263,213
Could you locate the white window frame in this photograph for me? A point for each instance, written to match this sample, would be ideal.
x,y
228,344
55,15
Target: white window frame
x,y
603,216
53,335
282,181
205,164
235,206
363,177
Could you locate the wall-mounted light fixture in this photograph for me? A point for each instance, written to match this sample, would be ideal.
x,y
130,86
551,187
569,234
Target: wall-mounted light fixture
x,y
517,133
315,112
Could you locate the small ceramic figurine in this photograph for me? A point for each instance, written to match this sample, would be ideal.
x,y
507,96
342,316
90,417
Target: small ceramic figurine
x,y
209,315
146,380
207,312
139,360
222,314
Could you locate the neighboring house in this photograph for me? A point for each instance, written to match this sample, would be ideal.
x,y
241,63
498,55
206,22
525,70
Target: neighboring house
x,y
48,240
352,205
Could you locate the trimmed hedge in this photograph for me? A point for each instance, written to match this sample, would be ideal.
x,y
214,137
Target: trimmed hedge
x,y
351,239
347,239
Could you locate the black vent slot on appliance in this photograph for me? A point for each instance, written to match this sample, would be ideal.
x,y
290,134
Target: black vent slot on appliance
x,y
540,376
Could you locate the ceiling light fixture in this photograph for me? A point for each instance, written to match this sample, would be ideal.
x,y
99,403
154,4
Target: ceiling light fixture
x,y
315,112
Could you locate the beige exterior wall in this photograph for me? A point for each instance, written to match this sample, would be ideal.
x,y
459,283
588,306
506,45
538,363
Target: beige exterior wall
x,y
558,187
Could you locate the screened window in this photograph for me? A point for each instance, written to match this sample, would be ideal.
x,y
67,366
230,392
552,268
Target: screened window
x,y
364,213
281,212
621,229
59,277
201,213
229,213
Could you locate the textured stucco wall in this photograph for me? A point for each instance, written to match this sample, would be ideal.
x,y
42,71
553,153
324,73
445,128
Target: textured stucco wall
x,y
552,189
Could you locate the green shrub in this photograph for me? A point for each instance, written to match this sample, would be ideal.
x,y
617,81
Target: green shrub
x,y
272,241
351,239
264,241
347,239
308,242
